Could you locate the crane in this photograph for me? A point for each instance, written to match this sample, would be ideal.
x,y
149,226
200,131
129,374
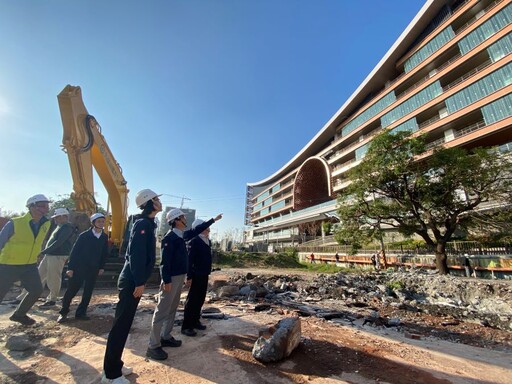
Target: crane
x,y
183,198
86,148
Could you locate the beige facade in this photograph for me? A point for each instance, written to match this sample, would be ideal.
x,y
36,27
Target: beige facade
x,y
449,75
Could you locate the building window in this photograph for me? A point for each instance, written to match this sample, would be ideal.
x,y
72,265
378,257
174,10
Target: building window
x,y
361,151
486,30
482,88
501,48
429,49
411,104
410,125
498,110
372,111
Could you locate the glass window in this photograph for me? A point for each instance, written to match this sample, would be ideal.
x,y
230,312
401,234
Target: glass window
x,y
414,102
263,196
361,151
498,110
501,48
410,125
369,113
486,30
275,188
484,87
429,49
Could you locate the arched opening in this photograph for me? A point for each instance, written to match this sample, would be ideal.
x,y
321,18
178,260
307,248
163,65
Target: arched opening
x,y
312,185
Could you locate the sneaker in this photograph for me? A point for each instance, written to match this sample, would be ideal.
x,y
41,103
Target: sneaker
x,y
47,304
156,354
189,332
172,342
62,319
118,380
82,317
200,326
25,320
126,370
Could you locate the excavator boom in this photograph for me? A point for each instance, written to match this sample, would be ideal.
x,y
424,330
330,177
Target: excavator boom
x,y
86,148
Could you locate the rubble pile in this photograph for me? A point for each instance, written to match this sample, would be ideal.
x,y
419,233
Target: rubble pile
x,y
352,296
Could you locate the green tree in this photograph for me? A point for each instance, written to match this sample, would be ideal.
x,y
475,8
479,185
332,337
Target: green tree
x,y
67,201
399,184
63,201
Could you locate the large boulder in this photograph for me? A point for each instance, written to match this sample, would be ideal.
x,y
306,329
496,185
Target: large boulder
x,y
284,338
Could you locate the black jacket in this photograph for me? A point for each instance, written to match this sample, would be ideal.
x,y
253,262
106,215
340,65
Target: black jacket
x,y
174,251
199,258
140,254
89,251
60,243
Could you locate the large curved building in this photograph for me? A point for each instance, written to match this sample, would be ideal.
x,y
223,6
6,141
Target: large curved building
x,y
448,75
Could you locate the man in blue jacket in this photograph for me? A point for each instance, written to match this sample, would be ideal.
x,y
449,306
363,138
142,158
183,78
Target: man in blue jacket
x,y
173,269
86,262
139,263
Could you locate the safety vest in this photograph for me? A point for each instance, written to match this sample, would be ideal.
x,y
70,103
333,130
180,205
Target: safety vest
x,y
22,248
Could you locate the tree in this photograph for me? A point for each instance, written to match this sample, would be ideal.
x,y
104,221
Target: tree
x,y
399,184
64,201
67,201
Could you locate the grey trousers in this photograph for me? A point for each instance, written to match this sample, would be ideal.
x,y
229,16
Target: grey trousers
x,y
50,271
165,311
29,278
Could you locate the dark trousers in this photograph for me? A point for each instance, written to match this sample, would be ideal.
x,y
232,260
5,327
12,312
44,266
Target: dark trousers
x,y
125,312
85,276
29,277
195,301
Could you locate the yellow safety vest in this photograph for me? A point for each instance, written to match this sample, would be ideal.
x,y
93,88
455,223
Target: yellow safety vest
x,y
22,248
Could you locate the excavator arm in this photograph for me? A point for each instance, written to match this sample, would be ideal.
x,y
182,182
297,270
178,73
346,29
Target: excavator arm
x,y
86,148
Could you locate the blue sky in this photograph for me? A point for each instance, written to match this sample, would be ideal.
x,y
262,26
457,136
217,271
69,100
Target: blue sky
x,y
196,98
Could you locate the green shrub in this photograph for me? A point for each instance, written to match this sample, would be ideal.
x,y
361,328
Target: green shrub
x,y
395,285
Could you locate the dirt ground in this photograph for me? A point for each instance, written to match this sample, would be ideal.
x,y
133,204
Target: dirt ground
x,y
427,350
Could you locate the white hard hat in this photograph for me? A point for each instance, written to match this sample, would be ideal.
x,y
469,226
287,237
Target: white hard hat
x,y
174,214
196,222
144,196
60,212
36,199
97,216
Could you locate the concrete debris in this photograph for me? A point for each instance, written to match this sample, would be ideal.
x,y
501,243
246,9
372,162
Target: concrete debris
x,y
413,336
229,290
19,343
285,337
350,295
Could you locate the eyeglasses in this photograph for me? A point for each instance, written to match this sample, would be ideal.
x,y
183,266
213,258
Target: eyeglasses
x,y
41,205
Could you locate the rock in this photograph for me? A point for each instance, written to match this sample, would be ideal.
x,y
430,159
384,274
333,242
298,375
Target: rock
x,y
286,335
413,336
211,310
245,290
218,283
228,290
215,316
394,322
261,307
19,343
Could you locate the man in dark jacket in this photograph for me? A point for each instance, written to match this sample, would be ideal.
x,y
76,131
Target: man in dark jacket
x,y
86,262
139,263
173,269
199,268
56,254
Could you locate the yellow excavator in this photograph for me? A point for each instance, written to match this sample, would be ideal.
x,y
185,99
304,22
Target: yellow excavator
x,y
86,148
